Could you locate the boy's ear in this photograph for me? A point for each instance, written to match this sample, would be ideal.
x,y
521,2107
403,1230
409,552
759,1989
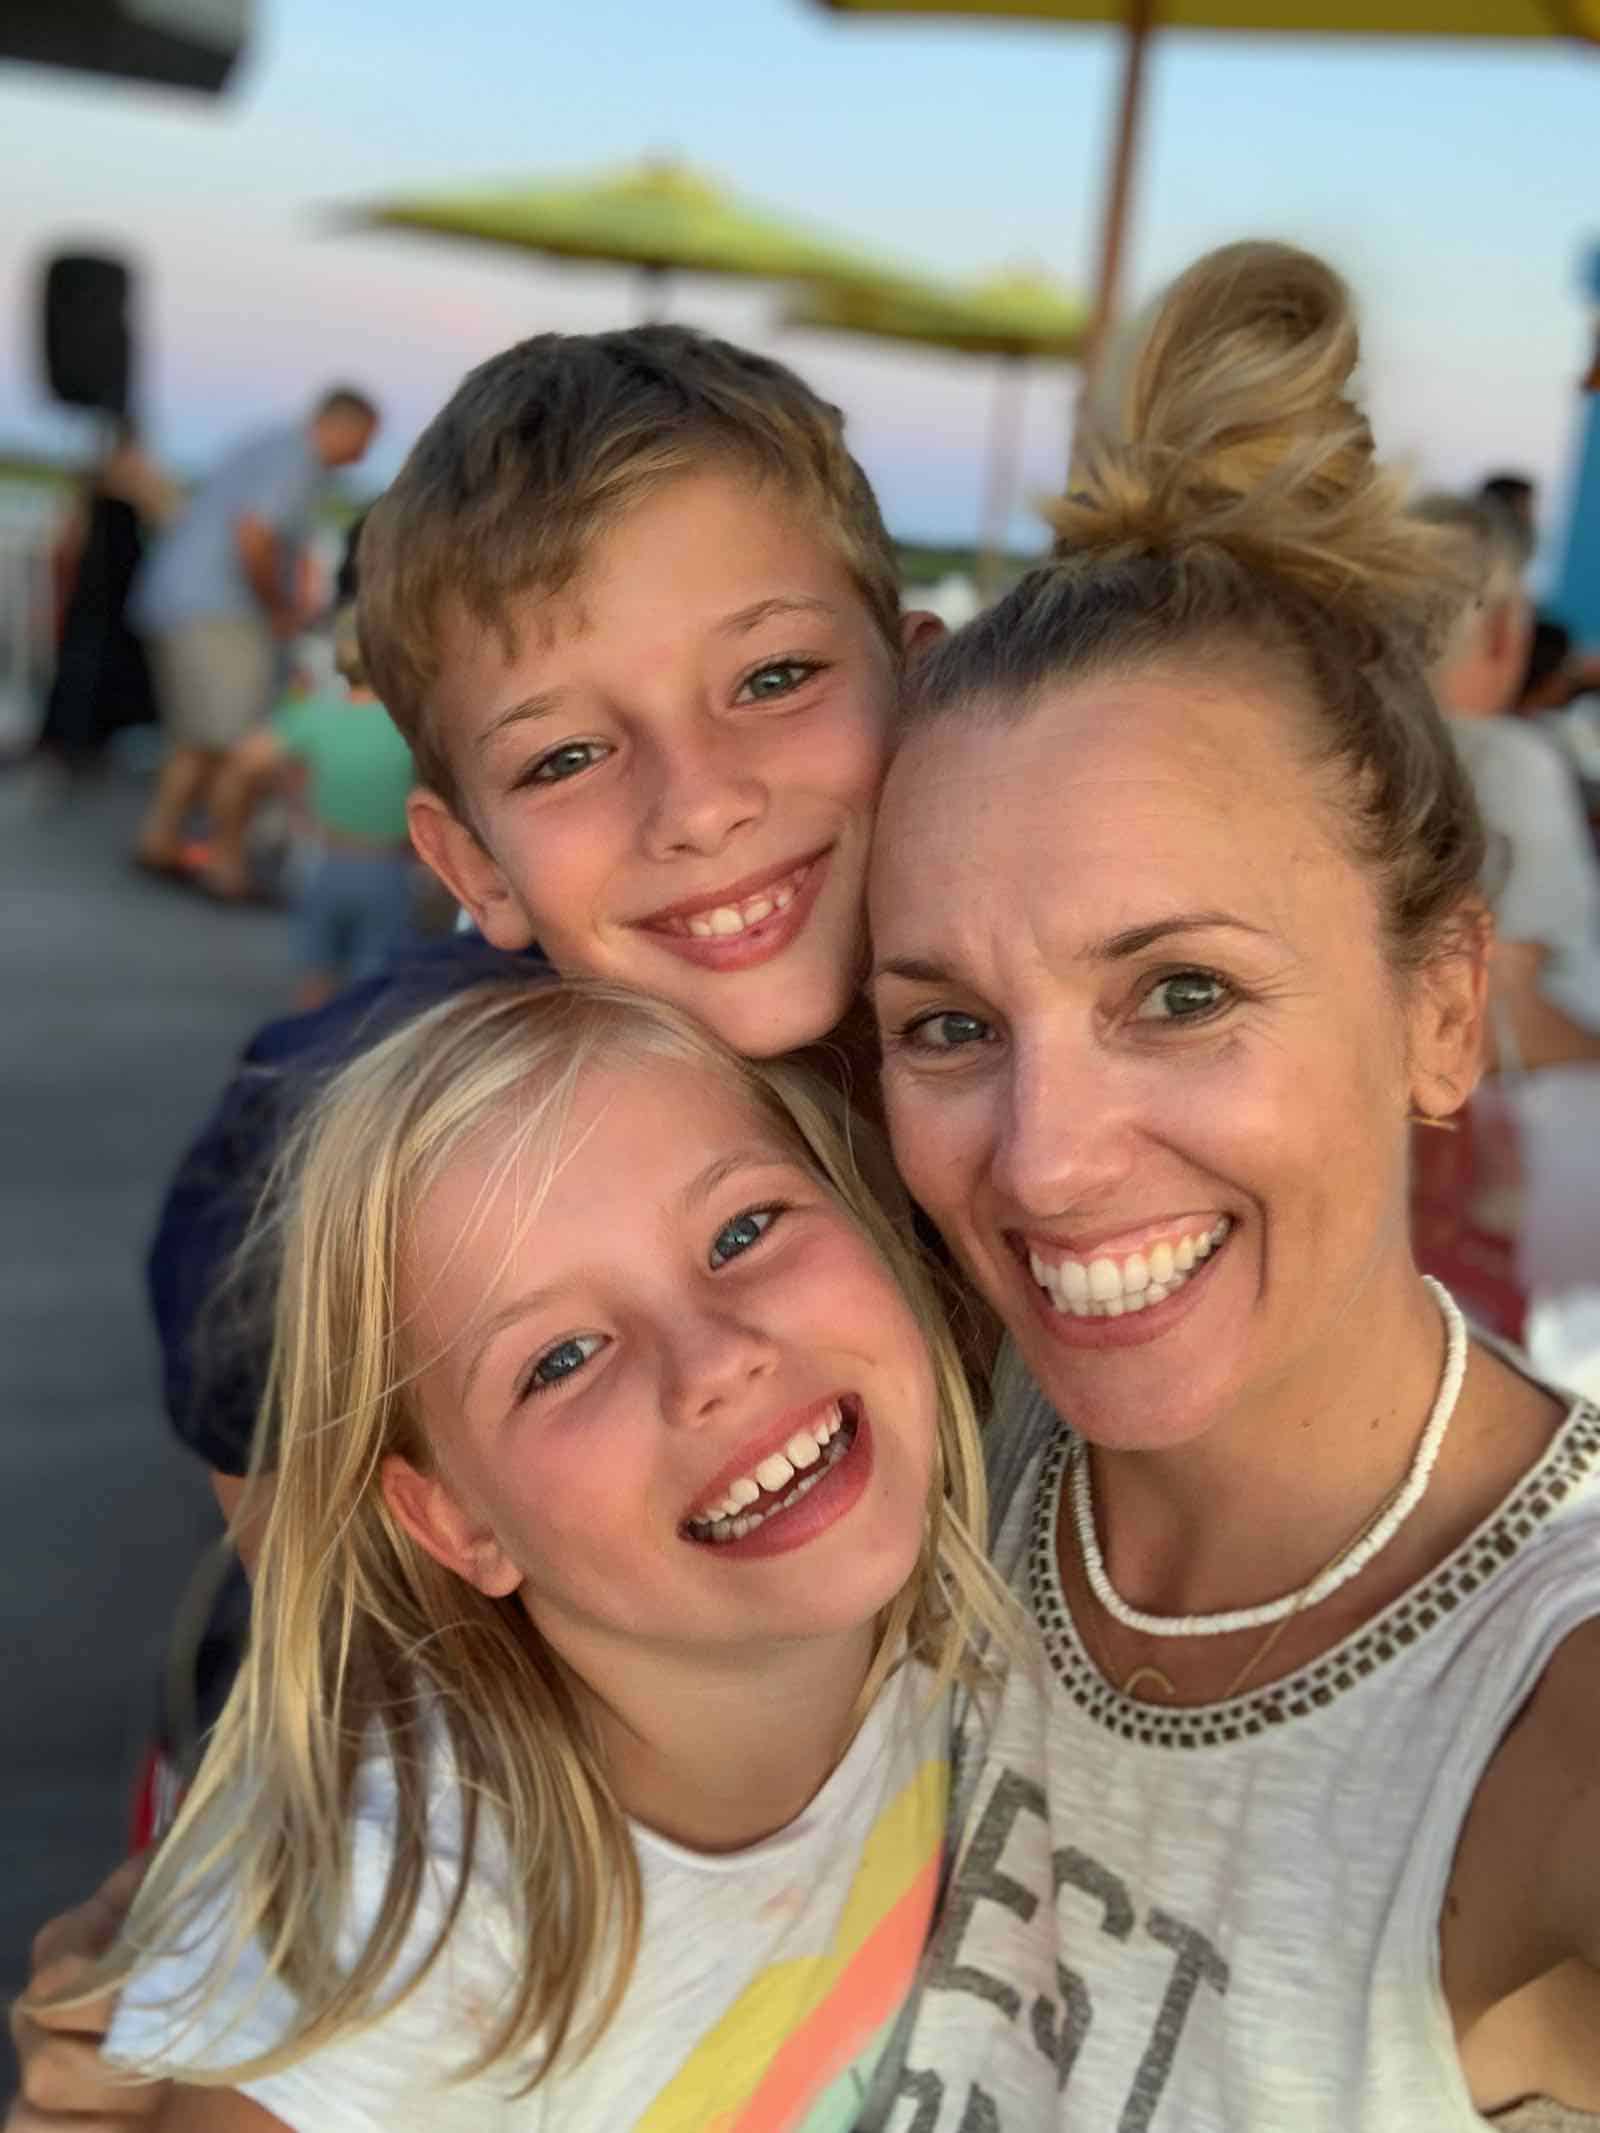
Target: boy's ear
x,y
451,850
423,1505
920,631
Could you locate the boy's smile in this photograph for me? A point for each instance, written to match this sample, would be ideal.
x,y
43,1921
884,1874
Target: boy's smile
x,y
670,776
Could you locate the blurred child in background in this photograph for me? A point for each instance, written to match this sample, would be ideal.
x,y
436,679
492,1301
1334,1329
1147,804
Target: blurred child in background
x,y
353,884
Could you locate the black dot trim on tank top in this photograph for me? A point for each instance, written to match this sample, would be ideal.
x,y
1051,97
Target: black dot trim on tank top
x,y
1572,1457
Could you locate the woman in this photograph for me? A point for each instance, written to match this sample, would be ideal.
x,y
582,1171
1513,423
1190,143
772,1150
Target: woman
x,y
1294,1827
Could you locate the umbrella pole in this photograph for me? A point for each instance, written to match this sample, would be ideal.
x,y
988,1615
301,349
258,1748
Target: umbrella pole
x,y
654,284
1000,487
1139,22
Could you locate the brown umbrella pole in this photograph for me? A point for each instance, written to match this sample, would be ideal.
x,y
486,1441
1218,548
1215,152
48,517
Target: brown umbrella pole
x,y
655,288
1000,486
1139,23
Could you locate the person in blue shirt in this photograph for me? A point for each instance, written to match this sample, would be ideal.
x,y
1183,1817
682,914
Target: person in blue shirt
x,y
215,600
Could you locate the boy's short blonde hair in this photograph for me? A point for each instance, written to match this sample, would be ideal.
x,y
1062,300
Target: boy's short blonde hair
x,y
543,448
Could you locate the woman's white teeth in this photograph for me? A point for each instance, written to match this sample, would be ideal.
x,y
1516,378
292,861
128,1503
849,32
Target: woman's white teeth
x,y
730,1516
1104,1287
728,919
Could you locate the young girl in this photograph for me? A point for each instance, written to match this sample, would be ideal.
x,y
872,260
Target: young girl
x,y
588,1767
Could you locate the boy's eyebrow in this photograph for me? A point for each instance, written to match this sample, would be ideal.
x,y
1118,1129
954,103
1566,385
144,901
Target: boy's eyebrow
x,y
1132,940
741,623
541,704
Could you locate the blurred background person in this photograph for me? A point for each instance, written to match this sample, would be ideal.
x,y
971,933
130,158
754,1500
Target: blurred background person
x,y
353,875
1544,885
218,598
101,681
1545,878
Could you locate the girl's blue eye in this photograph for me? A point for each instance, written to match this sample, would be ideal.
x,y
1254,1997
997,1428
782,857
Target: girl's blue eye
x,y
779,678
562,1361
566,762
1186,996
946,1031
738,1235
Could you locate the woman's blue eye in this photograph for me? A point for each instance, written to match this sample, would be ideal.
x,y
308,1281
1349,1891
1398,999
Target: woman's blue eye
x,y
738,1235
566,762
562,1361
947,1031
1187,996
778,679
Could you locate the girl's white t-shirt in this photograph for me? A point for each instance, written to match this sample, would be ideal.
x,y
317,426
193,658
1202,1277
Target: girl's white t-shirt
x,y
767,1986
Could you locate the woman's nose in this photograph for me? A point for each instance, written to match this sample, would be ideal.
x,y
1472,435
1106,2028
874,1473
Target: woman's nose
x,y
1063,1137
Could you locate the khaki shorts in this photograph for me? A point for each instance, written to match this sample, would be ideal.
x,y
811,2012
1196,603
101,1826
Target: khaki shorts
x,y
215,680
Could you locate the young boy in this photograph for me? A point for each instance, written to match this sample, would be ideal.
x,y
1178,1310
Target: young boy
x,y
633,606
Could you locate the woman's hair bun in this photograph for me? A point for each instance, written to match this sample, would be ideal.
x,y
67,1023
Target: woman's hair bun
x,y
1232,427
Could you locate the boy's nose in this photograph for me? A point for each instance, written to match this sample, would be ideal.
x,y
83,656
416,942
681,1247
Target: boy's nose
x,y
704,794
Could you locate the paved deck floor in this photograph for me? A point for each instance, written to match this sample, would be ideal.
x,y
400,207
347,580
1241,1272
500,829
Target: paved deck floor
x,y
122,1003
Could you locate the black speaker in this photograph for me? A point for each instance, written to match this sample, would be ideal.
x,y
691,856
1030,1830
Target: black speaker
x,y
88,345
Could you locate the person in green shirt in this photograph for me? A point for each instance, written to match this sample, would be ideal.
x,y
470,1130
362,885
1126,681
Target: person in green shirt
x,y
355,886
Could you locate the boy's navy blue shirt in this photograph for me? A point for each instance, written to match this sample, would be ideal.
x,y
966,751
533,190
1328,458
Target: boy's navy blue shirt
x,y
214,1375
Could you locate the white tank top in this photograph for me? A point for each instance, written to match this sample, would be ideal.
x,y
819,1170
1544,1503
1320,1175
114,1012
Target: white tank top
x,y
1225,1920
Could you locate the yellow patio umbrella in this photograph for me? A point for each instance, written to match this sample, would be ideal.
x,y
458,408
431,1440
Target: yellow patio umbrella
x,y
1014,316
658,216
1517,19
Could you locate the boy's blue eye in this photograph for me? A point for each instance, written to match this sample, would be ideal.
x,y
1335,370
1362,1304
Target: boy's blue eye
x,y
947,1031
566,762
778,678
562,1361
1185,996
738,1235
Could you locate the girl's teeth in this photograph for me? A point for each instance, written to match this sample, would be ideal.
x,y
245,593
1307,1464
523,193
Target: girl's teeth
x,y
1162,1261
1183,1254
729,1519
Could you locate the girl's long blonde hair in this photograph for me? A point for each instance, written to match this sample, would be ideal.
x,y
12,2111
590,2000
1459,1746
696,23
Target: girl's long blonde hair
x,y
359,1637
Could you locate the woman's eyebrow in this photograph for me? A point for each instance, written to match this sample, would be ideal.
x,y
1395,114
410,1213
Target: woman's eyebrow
x,y
1131,940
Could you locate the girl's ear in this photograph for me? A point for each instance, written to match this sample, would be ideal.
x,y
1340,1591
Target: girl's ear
x,y
423,1505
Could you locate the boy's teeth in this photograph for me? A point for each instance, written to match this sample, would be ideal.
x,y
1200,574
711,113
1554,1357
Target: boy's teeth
x,y
729,919
1104,1287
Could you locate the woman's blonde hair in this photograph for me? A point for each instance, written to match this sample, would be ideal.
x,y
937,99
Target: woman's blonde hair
x,y
1227,505
360,1637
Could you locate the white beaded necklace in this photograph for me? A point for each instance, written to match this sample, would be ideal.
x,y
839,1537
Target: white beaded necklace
x,y
1376,1535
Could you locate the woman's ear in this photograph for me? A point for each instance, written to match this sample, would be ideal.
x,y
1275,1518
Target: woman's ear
x,y
449,848
424,1506
1449,1006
